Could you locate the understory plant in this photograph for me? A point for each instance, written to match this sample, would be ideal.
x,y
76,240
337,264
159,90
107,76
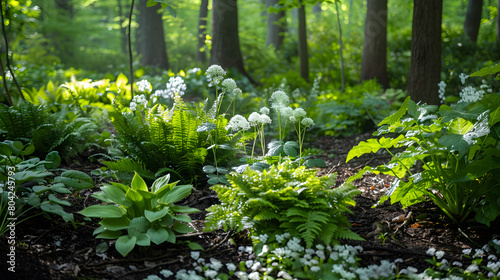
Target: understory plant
x,y
284,198
138,214
448,154
30,184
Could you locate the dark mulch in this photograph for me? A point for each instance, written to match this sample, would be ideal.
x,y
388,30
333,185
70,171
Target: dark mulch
x,y
50,249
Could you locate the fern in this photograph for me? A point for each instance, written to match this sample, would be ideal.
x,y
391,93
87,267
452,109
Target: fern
x,y
285,198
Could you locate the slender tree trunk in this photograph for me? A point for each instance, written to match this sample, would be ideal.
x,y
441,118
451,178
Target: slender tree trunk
x,y
473,19
342,72
374,62
275,26
201,55
303,55
152,45
123,29
425,65
226,50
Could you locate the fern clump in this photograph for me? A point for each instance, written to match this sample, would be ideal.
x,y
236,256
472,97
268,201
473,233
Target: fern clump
x,y
284,198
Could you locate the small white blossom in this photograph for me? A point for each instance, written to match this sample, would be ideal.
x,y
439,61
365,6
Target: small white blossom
x,y
457,263
478,254
472,268
138,100
229,84
279,99
286,112
254,276
195,255
285,275
299,113
470,94
466,251
231,266
153,277
215,75
237,123
307,122
210,273
264,110
439,254
463,77
442,91
215,264
166,273
144,86
315,268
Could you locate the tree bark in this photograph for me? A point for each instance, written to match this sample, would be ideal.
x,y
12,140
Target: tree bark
x,y
201,54
226,50
153,48
275,26
123,29
473,19
374,62
303,54
425,64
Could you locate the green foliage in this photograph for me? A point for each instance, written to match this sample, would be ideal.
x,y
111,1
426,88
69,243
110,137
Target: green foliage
x,y
62,131
30,185
148,214
284,198
457,147
357,110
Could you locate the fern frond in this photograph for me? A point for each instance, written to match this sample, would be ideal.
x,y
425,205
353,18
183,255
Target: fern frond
x,y
346,233
129,166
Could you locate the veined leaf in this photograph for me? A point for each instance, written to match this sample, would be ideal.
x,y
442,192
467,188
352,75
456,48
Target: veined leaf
x,y
392,119
176,194
138,183
138,225
184,209
158,236
182,228
116,195
160,183
115,223
103,211
125,244
460,126
156,215
109,234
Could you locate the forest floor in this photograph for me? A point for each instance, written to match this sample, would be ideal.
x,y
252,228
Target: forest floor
x,y
51,249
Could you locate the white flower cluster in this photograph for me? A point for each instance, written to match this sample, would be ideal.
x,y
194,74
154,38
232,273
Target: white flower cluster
x,y
238,122
194,70
258,119
463,77
279,99
481,128
442,91
138,100
438,254
175,86
215,74
144,86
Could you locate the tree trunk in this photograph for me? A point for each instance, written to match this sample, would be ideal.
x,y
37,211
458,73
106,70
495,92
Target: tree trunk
x,y
303,55
226,50
374,62
425,65
473,19
152,44
275,26
201,54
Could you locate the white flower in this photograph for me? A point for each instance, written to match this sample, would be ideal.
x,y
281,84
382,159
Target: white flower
x,y
144,86
254,276
492,258
215,264
442,90
299,113
293,119
263,238
254,119
282,252
138,100
231,266
315,268
175,86
210,273
236,92
398,260
241,275
215,74
439,254
472,268
166,273
282,237
480,129
264,110
153,277
256,266
229,84
195,255
478,254
307,122
463,77
457,263
496,241
279,99
238,122
286,112
194,70
470,94
285,275
466,251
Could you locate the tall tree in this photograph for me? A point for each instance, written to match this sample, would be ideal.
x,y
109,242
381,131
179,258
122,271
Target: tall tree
x,y
275,26
201,54
473,19
425,64
303,54
226,50
374,62
153,48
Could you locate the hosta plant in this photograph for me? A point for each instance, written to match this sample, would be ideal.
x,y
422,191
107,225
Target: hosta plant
x,y
284,198
138,215
449,154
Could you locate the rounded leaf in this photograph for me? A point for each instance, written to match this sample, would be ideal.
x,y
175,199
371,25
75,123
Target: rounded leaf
x,y
103,211
125,244
158,236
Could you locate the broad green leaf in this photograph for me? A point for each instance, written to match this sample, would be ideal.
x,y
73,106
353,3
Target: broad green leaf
x,y
372,146
213,180
116,195
54,199
460,126
54,158
124,244
222,170
475,170
35,176
182,228
138,183
160,183
156,215
143,240
166,221
486,71
455,142
101,248
315,162
290,148
75,179
494,117
209,169
115,223
103,211
30,148
184,209
194,246
392,119
158,236
138,225
136,198
176,194
121,81
182,218
109,234
57,210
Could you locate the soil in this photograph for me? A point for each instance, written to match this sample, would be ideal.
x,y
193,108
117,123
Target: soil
x,y
52,249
